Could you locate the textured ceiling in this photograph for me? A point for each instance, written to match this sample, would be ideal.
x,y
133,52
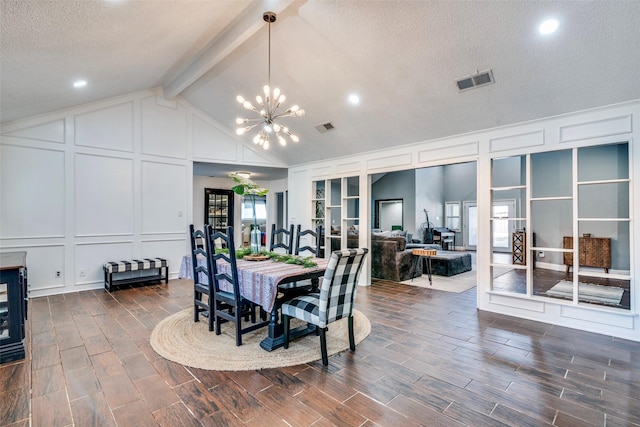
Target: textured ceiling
x,y
401,57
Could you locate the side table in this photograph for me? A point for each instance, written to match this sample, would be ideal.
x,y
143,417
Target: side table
x,y
419,253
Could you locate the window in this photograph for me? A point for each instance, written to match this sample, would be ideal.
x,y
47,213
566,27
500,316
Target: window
x,y
261,208
452,215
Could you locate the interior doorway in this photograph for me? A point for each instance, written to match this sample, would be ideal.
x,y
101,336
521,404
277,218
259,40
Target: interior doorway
x,y
388,214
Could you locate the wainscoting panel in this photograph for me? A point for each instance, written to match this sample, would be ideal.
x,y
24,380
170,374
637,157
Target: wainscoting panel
x,y
110,128
593,316
164,128
513,142
89,258
389,162
447,152
52,131
172,249
164,199
595,129
210,143
103,195
32,184
351,168
519,303
43,261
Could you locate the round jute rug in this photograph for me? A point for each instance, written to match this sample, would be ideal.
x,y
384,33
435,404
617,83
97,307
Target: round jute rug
x,y
180,339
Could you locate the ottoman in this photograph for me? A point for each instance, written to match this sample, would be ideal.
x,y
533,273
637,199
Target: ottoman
x,y
450,263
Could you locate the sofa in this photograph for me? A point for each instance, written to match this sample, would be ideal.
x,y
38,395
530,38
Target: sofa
x,y
391,259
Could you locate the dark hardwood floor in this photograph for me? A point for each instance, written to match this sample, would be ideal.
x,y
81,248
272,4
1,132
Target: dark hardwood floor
x,y
431,359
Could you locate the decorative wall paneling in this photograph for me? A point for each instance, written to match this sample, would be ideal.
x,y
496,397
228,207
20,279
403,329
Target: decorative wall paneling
x,y
511,142
449,151
596,128
30,205
109,128
390,162
103,181
603,125
52,131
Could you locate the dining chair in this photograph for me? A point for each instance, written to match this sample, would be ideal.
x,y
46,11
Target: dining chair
x,y
282,238
229,304
335,300
293,289
202,277
316,250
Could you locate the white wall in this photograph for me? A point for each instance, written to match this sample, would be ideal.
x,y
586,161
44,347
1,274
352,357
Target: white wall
x,y
106,181
605,125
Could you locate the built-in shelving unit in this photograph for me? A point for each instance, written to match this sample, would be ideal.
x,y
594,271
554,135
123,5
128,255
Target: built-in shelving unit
x,y
336,206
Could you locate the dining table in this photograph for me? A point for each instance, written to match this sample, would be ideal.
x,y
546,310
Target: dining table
x,y
259,282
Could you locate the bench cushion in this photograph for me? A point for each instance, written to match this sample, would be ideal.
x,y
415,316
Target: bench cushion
x,y
135,264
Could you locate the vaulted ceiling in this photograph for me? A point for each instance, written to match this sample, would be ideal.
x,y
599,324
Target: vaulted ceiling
x,y
401,57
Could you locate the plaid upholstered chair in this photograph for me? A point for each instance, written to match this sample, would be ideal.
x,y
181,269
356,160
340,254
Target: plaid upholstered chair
x,y
229,304
335,300
202,277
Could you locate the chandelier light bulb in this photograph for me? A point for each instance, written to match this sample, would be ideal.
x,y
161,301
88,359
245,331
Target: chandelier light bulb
x,y
294,108
276,93
247,105
282,141
257,138
266,90
240,121
266,144
299,113
276,127
240,131
259,99
240,99
294,138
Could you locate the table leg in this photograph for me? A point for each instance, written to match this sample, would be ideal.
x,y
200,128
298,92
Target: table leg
x,y
429,268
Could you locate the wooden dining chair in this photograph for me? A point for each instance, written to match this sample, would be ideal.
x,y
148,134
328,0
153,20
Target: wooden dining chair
x,y
202,277
335,300
229,304
316,250
281,238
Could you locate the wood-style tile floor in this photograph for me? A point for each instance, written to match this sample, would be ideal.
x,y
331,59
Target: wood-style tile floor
x,y
432,359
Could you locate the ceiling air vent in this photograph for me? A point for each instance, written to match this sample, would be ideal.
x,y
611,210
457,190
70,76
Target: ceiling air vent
x,y
324,127
475,80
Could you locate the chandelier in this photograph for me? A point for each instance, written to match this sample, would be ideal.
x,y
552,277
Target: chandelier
x,y
268,109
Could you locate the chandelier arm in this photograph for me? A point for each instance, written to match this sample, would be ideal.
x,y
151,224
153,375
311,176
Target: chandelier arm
x,y
284,114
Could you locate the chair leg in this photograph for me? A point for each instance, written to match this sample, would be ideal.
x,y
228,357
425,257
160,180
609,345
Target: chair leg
x,y
285,321
323,346
238,326
217,319
211,317
352,340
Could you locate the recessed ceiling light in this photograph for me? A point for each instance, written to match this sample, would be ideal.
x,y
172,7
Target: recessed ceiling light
x,y
549,26
354,99
79,83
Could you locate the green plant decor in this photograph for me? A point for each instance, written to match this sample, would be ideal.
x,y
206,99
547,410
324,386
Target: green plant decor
x,y
306,262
